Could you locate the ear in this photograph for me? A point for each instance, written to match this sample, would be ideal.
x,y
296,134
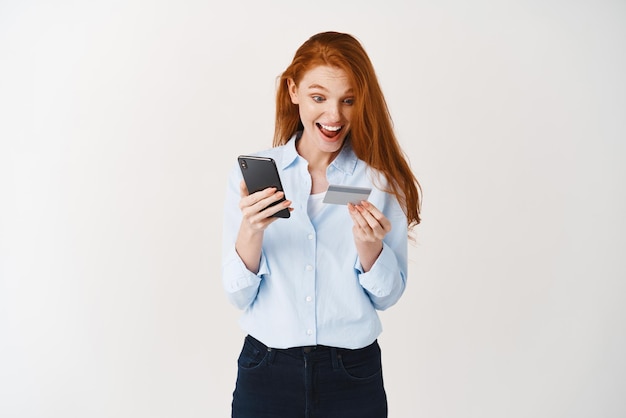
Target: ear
x,y
293,90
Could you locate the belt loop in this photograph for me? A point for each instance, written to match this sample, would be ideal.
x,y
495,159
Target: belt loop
x,y
270,355
333,357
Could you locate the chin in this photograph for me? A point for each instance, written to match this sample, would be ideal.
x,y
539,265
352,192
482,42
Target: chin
x,y
334,143
331,146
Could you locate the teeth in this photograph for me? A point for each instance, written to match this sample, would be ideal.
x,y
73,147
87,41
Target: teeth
x,y
330,128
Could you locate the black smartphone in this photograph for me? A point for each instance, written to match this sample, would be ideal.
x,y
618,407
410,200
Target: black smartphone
x,y
260,173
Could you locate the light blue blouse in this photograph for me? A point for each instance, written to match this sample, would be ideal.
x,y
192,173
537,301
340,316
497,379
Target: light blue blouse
x,y
311,288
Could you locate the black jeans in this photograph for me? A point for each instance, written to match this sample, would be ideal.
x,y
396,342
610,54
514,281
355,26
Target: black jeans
x,y
309,382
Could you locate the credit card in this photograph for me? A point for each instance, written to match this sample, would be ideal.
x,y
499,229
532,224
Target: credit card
x,y
342,195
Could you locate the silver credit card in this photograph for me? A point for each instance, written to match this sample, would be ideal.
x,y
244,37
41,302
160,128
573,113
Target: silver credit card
x,y
342,195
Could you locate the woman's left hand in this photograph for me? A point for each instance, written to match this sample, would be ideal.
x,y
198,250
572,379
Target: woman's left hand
x,y
369,229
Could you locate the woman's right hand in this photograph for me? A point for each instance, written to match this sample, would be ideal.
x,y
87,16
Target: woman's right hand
x,y
257,214
256,217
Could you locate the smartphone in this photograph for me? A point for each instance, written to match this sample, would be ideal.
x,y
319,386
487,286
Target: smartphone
x,y
260,173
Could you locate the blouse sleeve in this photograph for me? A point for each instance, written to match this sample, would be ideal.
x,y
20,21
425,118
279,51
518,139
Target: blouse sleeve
x,y
386,280
240,284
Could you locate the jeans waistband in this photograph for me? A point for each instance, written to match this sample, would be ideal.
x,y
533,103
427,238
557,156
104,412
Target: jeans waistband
x,y
303,349
291,350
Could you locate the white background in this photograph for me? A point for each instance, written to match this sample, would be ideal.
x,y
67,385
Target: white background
x,y
119,121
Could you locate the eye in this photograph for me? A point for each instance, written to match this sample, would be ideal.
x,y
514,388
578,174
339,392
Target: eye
x,y
349,101
318,99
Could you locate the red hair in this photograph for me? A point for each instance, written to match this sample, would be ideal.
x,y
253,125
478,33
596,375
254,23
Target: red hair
x,y
372,136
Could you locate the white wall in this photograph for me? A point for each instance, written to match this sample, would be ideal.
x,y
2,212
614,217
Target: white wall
x,y
120,119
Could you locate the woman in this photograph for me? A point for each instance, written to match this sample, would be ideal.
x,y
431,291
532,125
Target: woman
x,y
310,285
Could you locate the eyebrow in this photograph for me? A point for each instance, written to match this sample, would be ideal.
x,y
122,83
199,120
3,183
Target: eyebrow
x,y
317,86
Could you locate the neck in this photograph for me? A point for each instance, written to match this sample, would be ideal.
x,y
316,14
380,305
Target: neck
x,y
318,160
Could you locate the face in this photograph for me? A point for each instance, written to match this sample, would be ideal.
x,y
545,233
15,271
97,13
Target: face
x,y
324,97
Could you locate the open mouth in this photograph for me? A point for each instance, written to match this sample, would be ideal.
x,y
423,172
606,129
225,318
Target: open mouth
x,y
329,131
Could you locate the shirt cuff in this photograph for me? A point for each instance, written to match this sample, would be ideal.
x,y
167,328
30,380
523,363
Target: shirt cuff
x,y
380,279
236,275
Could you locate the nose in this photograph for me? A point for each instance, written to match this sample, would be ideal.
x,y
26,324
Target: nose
x,y
333,110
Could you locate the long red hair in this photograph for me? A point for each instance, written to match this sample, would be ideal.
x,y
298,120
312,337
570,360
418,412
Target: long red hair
x,y
372,136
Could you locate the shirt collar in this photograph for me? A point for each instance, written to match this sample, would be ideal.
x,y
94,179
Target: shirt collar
x,y
345,161
289,154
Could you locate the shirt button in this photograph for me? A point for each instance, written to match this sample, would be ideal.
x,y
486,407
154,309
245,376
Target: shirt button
x,y
309,267
310,236
309,298
309,331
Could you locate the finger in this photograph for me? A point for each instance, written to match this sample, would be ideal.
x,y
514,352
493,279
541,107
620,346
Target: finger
x,y
369,218
372,213
373,210
256,212
372,227
362,230
255,198
376,228
265,198
261,219
363,233
243,189
357,216
271,210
